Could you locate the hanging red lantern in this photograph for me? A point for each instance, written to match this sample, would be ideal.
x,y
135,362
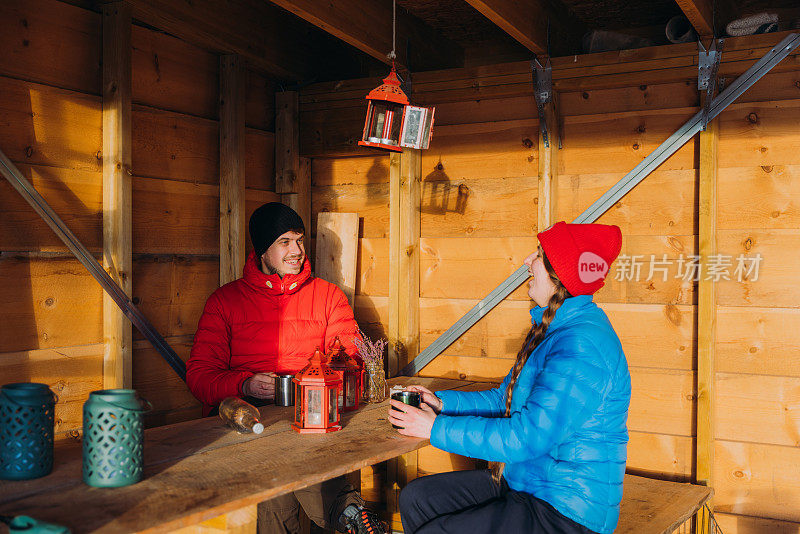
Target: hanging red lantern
x,y
316,397
349,371
385,105
393,123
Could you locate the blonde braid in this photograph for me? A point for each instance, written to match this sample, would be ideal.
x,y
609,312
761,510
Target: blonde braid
x,y
535,336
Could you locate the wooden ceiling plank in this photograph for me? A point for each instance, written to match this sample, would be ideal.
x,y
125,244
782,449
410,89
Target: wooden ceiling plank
x,y
700,15
268,43
527,24
367,26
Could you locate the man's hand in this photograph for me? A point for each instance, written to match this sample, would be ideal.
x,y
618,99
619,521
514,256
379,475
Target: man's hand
x,y
428,397
416,422
260,386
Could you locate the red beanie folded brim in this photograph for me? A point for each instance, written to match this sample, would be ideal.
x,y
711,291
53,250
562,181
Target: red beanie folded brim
x,y
581,254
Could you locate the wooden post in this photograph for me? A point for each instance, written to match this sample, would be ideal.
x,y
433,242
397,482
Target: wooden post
x,y
548,169
706,310
405,178
405,175
117,190
292,173
231,168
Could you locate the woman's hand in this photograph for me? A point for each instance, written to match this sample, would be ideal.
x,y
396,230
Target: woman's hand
x,y
415,422
428,397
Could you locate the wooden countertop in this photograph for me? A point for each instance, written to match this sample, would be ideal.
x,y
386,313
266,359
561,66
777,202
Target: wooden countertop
x,y
200,469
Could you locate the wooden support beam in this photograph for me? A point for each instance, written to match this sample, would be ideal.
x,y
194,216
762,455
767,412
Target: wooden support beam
x,y
405,177
265,37
700,15
526,22
231,168
548,169
287,142
367,26
117,190
706,307
292,173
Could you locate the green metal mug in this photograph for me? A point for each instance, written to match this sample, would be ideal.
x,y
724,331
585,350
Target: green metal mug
x,y
26,430
113,433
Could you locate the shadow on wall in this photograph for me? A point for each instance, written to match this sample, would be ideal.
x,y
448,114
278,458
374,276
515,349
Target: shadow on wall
x,y
440,196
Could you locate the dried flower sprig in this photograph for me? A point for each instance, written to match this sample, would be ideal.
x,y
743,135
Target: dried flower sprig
x,y
370,351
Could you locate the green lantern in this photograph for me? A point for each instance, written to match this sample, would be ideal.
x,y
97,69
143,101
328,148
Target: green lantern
x,y
26,431
113,432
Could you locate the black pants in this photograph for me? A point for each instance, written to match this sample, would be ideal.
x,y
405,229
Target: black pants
x,y
470,501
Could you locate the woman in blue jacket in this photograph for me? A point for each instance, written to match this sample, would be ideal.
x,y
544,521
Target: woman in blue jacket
x,y
555,429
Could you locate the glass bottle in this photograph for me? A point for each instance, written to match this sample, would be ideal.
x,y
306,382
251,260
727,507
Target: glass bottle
x,y
240,415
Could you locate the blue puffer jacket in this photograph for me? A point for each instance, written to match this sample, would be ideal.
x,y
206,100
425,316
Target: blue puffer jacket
x,y
565,441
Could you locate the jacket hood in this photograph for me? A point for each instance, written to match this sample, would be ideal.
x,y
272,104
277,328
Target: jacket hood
x,y
272,283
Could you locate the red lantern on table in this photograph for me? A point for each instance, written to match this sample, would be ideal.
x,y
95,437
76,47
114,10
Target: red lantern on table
x,y
317,397
349,371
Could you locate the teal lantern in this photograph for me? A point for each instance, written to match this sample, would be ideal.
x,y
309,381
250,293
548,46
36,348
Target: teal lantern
x,y
113,432
26,431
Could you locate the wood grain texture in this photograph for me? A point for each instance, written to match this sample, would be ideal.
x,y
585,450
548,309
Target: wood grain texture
x,y
658,506
117,190
48,302
706,301
757,480
287,141
71,372
76,196
58,44
50,126
231,168
173,75
337,251
757,340
404,258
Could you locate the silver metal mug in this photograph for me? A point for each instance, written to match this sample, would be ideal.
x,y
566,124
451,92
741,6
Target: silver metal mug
x,y
284,390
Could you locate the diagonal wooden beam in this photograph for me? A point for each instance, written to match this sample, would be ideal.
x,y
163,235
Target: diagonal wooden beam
x,y
368,27
526,22
267,38
700,14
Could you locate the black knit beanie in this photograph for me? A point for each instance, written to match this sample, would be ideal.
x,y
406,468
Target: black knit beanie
x,y
269,222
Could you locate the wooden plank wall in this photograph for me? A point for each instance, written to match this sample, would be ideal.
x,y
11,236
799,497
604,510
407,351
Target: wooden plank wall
x,y
479,221
51,317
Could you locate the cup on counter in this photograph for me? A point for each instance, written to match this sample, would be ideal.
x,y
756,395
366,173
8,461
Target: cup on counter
x,y
284,390
412,398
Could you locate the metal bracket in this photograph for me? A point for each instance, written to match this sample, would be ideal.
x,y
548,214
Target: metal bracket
x,y
707,67
543,92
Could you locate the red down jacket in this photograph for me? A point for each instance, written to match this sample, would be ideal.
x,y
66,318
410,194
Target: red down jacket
x,y
261,323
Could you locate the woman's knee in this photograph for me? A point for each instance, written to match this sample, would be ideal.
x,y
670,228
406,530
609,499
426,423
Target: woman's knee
x,y
412,494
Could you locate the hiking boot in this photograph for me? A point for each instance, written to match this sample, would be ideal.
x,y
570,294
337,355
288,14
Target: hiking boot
x,y
360,520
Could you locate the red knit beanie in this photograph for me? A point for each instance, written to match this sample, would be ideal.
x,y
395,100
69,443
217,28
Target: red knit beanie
x,y
581,254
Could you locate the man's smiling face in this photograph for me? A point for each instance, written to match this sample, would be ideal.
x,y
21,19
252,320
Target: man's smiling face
x,y
285,255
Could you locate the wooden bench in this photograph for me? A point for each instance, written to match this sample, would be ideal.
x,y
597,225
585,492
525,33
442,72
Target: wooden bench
x,y
199,470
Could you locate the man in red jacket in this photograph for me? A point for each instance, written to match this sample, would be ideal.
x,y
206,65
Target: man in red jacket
x,y
269,322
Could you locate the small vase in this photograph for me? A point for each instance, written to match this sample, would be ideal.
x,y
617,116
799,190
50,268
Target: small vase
x,y
374,383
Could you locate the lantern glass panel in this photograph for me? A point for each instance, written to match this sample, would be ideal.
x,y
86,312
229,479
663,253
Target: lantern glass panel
x,y
426,133
313,407
350,389
384,122
333,405
298,405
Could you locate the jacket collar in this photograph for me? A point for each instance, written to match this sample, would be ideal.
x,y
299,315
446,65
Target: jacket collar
x,y
570,308
272,283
